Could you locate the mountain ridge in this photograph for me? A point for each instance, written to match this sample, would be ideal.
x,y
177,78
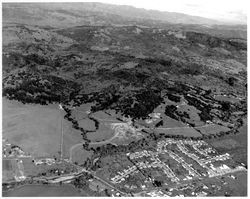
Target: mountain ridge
x,y
93,13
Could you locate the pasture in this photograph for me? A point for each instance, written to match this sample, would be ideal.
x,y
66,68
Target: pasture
x,y
37,129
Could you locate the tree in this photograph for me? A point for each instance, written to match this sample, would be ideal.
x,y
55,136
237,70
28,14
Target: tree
x,y
225,106
231,81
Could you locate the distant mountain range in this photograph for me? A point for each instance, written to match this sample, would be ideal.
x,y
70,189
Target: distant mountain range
x,y
76,14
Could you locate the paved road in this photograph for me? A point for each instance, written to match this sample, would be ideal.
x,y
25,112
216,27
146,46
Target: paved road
x,y
103,181
184,127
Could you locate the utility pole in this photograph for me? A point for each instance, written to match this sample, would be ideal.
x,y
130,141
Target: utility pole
x,y
61,148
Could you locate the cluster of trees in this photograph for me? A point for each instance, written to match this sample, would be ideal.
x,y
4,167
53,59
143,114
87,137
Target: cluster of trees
x,y
231,81
193,101
136,104
225,110
25,96
139,104
160,123
220,134
170,111
178,88
36,58
75,125
82,181
205,114
36,89
205,109
173,98
104,101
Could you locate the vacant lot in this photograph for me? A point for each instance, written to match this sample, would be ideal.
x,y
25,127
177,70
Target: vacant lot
x,y
38,129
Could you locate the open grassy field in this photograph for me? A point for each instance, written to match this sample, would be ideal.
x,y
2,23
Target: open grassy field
x,y
8,170
81,112
234,187
212,129
108,115
80,155
226,98
103,133
189,132
168,122
87,124
193,112
38,129
235,144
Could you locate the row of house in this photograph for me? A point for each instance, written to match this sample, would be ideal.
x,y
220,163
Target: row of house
x,y
123,174
48,161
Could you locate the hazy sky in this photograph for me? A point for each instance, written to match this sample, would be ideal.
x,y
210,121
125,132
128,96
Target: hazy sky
x,y
227,10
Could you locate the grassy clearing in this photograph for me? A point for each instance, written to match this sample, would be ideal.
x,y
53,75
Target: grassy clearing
x,y
212,129
226,98
235,187
8,170
189,132
193,114
81,112
37,129
226,144
87,124
79,155
106,116
168,122
235,144
103,133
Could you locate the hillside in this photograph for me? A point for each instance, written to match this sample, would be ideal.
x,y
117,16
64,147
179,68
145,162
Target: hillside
x,y
134,106
72,14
